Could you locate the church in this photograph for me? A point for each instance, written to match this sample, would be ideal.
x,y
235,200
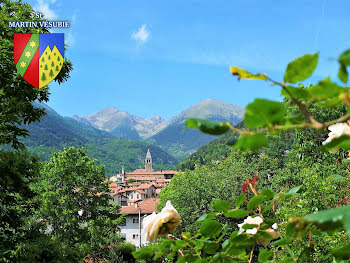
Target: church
x,y
146,175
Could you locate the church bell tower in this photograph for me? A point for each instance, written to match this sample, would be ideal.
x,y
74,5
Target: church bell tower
x,y
148,162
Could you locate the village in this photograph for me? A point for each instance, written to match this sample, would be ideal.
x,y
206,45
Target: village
x,y
137,194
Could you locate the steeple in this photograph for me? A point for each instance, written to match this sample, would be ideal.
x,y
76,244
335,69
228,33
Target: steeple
x,y
148,162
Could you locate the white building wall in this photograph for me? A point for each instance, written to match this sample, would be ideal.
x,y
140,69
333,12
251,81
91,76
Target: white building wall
x,y
131,230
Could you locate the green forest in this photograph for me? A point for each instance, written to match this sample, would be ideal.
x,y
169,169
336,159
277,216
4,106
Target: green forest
x,y
274,188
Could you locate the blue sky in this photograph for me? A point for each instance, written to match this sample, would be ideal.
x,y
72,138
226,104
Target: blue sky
x,y
152,57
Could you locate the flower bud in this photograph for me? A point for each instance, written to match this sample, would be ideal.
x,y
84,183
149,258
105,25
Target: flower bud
x,y
161,224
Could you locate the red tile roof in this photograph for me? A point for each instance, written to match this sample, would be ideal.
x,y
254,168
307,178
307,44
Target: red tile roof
x,y
113,184
148,206
143,172
143,178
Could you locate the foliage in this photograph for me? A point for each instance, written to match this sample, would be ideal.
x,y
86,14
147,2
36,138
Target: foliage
x,y
16,200
194,192
17,168
304,185
220,242
214,152
74,207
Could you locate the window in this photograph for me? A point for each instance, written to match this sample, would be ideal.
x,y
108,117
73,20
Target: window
x,y
135,236
135,220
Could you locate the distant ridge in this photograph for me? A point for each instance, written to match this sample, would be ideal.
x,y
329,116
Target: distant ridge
x,y
122,124
170,135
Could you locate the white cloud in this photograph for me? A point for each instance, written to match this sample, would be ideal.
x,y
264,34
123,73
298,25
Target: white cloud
x,y
70,39
44,8
141,35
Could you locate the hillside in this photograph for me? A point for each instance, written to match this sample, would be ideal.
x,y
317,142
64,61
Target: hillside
x,y
54,132
181,142
212,153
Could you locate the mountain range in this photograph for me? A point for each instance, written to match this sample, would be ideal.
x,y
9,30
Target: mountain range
x,y
114,137
55,132
170,135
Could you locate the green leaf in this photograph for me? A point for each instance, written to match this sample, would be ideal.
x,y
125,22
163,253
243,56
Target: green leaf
x,y
342,142
268,193
341,253
249,226
180,243
221,205
325,89
344,58
236,213
158,255
241,241
210,228
266,208
211,247
240,200
292,192
290,230
337,177
264,113
281,242
251,142
331,219
265,255
255,201
186,235
204,217
301,68
297,93
171,255
143,253
209,127
343,74
166,244
243,74
287,260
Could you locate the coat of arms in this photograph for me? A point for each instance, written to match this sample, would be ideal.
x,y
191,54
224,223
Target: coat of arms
x,y
39,57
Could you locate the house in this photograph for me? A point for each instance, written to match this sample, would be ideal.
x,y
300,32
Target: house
x,y
147,183
149,189
119,199
132,230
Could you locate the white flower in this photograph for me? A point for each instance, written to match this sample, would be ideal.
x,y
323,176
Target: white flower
x,y
337,130
257,221
156,225
274,226
252,231
251,221
80,212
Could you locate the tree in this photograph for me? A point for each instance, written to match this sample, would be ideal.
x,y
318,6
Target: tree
x,y
74,205
17,168
131,180
16,95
